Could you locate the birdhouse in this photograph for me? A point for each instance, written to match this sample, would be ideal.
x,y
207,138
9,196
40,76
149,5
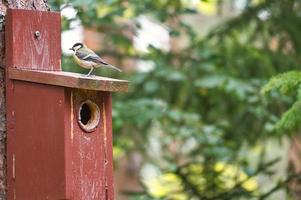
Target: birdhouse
x,y
59,124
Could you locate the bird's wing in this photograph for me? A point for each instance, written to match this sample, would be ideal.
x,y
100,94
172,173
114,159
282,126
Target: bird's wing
x,y
90,57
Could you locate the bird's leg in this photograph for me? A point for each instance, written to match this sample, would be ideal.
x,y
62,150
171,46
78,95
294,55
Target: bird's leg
x,y
90,71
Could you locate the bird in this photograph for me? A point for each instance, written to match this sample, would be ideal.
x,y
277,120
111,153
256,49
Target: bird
x,y
88,59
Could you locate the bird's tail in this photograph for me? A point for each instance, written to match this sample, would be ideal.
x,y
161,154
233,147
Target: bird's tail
x,y
113,67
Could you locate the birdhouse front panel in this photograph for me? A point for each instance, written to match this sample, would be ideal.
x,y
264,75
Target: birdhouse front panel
x,y
36,142
90,145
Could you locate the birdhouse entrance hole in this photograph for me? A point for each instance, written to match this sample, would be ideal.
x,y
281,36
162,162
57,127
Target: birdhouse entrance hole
x,y
88,116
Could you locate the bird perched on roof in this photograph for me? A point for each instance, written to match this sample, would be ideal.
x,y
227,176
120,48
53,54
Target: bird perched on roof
x,y
87,59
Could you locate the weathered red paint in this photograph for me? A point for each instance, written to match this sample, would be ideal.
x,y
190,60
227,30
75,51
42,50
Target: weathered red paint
x,y
108,143
24,50
69,79
36,142
91,158
49,155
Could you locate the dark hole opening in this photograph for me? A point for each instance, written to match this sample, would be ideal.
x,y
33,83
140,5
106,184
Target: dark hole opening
x,y
85,114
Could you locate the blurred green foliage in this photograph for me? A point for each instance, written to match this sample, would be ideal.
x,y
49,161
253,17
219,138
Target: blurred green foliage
x,y
288,84
201,102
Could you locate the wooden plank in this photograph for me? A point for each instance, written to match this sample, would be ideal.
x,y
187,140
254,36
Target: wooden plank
x,y
36,146
108,145
26,51
49,155
91,159
69,79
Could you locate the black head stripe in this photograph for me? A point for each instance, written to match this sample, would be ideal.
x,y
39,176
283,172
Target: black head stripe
x,y
78,44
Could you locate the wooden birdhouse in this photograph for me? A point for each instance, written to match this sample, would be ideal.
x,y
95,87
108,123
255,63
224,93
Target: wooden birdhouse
x,y
59,124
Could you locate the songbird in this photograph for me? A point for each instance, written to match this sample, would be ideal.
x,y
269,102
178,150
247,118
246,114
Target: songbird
x,y
87,59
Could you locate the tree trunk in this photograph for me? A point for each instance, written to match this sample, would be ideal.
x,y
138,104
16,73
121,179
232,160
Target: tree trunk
x,y
295,165
4,4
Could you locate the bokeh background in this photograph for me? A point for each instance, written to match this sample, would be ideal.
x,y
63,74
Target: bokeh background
x,y
201,119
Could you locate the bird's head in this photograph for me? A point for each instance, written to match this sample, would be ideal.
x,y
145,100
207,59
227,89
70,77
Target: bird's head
x,y
77,46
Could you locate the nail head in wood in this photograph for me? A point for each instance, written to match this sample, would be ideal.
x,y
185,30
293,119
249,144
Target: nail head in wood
x,y
37,35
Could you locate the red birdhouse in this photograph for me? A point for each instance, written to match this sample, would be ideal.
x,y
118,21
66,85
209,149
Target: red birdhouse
x,y
59,123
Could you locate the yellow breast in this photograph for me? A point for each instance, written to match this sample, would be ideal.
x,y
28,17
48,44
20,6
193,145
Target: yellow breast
x,y
84,64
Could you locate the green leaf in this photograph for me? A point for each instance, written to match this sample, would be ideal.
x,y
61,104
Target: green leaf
x,y
291,119
283,82
211,81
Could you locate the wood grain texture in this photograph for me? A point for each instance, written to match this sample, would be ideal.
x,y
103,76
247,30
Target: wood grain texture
x,y
49,155
91,161
36,142
43,53
4,4
35,148
69,79
108,145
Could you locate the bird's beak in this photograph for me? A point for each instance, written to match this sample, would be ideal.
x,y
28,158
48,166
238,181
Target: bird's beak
x,y
71,49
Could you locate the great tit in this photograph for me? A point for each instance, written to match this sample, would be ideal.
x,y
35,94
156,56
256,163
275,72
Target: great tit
x,y
87,59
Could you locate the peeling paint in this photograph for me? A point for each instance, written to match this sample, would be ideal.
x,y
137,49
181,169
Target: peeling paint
x,y
71,116
89,159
